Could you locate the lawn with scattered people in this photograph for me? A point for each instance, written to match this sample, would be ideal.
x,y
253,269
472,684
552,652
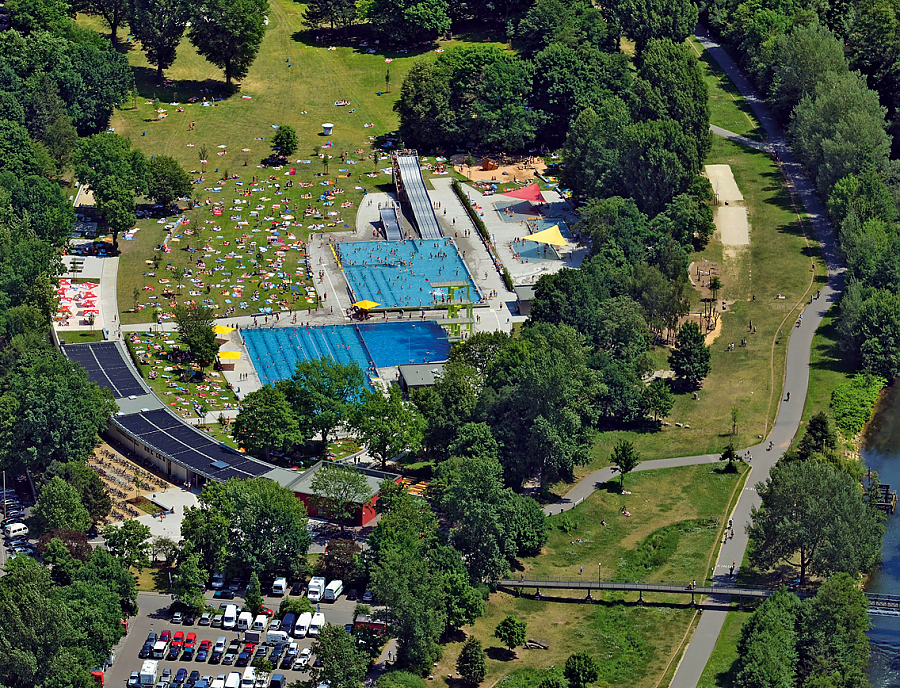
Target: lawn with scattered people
x,y
671,535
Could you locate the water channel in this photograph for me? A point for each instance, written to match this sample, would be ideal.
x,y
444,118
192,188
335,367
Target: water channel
x,y
882,453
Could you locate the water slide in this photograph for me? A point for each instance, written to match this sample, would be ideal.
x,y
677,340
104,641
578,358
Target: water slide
x,y
411,188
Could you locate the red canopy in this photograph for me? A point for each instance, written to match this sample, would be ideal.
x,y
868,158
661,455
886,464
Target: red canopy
x,y
532,193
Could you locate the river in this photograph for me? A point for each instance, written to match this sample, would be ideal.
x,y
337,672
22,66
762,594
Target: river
x,y
881,453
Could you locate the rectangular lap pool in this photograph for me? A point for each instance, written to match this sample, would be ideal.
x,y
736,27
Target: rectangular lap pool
x,y
275,352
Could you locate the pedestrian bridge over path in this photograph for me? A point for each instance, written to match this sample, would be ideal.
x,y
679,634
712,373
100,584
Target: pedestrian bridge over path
x,y
882,605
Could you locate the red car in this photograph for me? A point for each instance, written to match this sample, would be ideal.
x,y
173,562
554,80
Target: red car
x,y
178,639
250,647
165,636
206,645
190,640
268,612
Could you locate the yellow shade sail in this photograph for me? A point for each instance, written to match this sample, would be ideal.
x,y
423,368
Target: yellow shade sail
x,y
366,305
550,236
229,355
222,329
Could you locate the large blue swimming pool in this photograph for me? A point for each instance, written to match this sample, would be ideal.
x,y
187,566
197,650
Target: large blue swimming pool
x,y
399,274
275,352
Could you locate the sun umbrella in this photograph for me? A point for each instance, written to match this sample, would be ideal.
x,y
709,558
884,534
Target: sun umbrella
x,y
366,305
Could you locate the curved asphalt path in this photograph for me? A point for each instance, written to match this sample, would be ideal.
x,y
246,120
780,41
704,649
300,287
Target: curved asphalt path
x,y
796,380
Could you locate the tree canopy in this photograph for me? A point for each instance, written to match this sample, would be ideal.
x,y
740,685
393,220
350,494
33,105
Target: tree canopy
x,y
228,33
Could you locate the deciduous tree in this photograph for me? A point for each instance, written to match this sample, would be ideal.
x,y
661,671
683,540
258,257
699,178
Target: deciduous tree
x,y
690,357
229,33
511,632
343,664
129,543
195,325
323,394
187,582
339,491
387,425
159,26
166,180
267,423
59,506
624,460
253,599
581,669
285,140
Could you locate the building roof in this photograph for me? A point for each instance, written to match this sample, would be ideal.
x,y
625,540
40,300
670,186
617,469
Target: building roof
x,y
422,374
524,293
301,482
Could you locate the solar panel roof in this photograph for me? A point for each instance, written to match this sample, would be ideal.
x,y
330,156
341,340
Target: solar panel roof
x,y
106,365
170,436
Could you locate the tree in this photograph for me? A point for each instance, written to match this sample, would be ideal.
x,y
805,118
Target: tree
x,y
129,543
228,33
338,14
195,325
263,668
167,180
730,455
64,565
341,560
323,394
285,141
74,540
812,511
91,490
159,26
343,664
690,357
471,663
164,548
581,669
253,599
840,129
188,581
27,16
114,13
767,650
116,201
387,425
464,601
59,506
17,151
643,20
110,155
266,423
624,459
819,437
409,21
338,491
205,531
511,632
659,399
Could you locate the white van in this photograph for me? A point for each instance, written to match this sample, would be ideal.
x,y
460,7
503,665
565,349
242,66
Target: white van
x,y
333,591
218,683
301,628
16,530
233,680
229,618
279,587
249,678
244,621
260,623
315,589
316,624
277,637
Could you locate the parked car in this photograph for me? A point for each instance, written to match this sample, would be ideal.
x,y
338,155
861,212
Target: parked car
x,y
286,663
188,620
229,658
188,654
181,675
297,588
303,658
194,677
203,651
190,640
266,611
205,619
243,659
351,594
167,675
223,595
145,651
174,651
177,617
367,596
134,679
178,638
165,636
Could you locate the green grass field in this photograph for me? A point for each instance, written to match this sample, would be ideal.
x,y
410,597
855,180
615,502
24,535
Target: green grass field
x,y
779,261
829,366
728,109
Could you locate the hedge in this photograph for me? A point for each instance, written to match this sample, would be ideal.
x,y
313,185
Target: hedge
x,y
479,223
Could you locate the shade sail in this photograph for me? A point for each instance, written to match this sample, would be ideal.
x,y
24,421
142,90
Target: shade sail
x,y
222,329
229,355
366,305
532,193
550,236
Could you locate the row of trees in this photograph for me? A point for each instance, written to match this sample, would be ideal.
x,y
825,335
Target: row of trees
x,y
228,33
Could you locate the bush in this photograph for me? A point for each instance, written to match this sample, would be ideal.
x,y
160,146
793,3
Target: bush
x,y
507,279
400,679
852,402
298,605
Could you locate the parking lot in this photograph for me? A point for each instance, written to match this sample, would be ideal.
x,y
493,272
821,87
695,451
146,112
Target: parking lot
x,y
154,616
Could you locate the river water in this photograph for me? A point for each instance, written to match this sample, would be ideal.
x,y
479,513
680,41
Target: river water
x,y
882,453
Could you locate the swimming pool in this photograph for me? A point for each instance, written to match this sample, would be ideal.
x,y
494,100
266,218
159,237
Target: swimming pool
x,y
275,352
399,274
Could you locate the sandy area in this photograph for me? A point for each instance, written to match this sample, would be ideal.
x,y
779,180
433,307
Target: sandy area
x,y
512,172
723,184
733,226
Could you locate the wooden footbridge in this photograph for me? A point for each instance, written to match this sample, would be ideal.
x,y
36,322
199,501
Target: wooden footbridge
x,y
881,605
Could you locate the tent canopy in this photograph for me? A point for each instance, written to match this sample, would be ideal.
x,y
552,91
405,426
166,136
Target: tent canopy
x,y
532,193
550,236
222,329
366,305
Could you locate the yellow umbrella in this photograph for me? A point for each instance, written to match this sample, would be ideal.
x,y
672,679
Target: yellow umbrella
x,y
221,329
550,236
366,305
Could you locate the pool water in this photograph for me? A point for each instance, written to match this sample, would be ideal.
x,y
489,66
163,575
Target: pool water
x,y
275,352
399,274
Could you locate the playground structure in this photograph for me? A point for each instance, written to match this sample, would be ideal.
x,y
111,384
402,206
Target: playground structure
x,y
460,316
